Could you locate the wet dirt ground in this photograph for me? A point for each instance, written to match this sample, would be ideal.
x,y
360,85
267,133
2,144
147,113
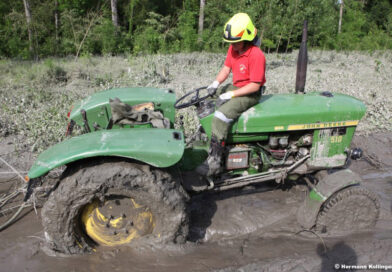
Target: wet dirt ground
x,y
251,229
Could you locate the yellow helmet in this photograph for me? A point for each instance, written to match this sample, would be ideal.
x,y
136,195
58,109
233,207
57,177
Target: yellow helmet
x,y
239,28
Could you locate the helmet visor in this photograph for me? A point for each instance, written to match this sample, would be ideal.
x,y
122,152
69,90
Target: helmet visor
x,y
228,37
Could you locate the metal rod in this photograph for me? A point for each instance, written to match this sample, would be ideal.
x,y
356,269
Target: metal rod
x,y
266,176
13,169
255,176
6,173
244,183
84,116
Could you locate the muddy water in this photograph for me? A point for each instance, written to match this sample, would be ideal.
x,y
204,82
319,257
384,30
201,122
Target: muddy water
x,y
252,229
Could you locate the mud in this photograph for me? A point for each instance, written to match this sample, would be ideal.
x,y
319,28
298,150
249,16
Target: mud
x,y
249,229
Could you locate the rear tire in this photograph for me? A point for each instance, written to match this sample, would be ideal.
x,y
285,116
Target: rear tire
x,y
351,209
152,189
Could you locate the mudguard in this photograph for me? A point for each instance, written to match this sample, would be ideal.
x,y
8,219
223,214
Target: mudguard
x,y
157,147
325,188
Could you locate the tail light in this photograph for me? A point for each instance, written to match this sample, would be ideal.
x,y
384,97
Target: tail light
x,y
70,123
69,113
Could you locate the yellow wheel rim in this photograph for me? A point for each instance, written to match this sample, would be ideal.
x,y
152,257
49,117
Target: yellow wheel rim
x,y
116,221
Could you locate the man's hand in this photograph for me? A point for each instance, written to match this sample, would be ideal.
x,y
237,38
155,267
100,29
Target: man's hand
x,y
223,98
213,87
227,96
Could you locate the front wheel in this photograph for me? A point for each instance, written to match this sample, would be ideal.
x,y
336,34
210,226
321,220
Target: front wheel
x,y
351,209
114,203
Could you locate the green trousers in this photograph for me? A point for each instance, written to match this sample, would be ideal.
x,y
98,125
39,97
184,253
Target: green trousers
x,y
226,114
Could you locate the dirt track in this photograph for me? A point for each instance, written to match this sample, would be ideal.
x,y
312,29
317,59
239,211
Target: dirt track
x,y
252,229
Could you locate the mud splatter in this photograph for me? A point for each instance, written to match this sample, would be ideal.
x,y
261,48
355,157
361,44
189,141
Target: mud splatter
x,y
250,112
333,161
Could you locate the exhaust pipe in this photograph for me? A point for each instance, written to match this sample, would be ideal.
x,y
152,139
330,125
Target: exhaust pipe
x,y
302,61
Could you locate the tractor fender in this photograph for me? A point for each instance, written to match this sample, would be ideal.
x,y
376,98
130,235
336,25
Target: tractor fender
x,y
328,185
157,147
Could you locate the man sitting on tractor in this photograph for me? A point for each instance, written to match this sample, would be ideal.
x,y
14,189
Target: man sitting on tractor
x,y
247,63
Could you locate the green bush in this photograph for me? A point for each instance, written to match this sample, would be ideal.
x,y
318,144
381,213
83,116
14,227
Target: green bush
x,y
186,27
146,40
376,40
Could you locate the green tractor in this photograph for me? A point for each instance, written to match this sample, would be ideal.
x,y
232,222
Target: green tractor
x,y
121,182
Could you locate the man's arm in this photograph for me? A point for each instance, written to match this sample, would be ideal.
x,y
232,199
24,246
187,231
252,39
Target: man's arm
x,y
247,89
223,74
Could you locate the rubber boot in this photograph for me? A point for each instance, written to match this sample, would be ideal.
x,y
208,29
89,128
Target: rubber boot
x,y
214,159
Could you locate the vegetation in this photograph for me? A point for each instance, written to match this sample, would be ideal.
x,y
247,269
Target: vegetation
x,y
36,95
54,43
33,29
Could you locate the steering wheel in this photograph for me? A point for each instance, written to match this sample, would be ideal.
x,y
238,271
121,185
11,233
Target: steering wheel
x,y
195,99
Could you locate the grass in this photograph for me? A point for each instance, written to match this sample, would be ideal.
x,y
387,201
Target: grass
x,y
36,96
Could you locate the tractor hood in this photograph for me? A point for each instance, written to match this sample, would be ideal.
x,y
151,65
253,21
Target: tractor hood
x,y
283,112
98,110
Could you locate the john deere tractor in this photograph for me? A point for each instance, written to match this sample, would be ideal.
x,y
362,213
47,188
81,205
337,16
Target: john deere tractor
x,y
120,184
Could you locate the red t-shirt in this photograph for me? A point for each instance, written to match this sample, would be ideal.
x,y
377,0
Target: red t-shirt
x,y
248,67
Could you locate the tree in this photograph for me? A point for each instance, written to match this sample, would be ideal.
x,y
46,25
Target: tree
x,y
293,23
114,13
340,15
72,27
29,28
132,5
201,20
57,19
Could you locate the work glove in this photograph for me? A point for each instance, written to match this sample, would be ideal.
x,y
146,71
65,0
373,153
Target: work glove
x,y
223,98
213,87
227,95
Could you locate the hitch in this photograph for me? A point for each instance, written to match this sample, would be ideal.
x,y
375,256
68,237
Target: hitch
x,y
356,154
